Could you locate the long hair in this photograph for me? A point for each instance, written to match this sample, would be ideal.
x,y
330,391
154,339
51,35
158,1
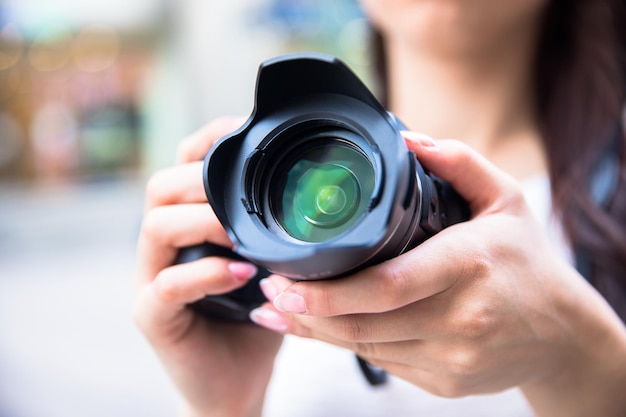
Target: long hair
x,y
580,90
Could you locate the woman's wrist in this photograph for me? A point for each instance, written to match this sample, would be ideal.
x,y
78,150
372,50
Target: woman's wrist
x,y
244,406
582,390
188,411
591,376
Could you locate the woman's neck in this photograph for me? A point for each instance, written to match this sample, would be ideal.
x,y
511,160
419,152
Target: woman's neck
x,y
484,99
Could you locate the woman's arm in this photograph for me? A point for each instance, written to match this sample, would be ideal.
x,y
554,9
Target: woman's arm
x,y
483,306
221,369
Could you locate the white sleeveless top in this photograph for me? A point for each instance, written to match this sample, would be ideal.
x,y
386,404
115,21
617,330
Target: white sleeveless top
x,y
314,379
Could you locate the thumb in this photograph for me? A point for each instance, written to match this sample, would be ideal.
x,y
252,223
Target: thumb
x,y
476,179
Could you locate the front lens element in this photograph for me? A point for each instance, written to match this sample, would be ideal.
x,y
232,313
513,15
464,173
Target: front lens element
x,y
326,195
331,200
325,190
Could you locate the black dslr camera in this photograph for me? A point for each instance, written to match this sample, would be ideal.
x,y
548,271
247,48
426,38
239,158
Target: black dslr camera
x,y
318,183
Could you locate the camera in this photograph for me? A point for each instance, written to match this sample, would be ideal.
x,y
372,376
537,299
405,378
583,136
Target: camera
x,y
318,183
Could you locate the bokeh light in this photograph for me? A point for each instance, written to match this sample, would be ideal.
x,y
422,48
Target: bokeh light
x,y
11,46
51,49
94,96
96,47
11,139
11,80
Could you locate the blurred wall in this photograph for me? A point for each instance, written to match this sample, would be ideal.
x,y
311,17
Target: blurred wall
x,y
94,96
71,87
215,49
207,68
107,87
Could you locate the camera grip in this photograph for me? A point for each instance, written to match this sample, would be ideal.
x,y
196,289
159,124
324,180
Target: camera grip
x,y
454,209
234,306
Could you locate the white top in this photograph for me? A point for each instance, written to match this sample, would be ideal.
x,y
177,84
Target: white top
x,y
314,379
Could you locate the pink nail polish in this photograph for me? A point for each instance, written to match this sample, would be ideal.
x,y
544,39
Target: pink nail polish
x,y
269,319
243,271
268,289
290,302
421,139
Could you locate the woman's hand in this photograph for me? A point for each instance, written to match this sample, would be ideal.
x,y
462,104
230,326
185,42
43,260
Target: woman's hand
x,y
482,306
221,369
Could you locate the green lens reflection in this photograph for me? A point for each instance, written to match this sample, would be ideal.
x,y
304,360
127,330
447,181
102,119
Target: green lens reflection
x,y
331,199
326,195
326,190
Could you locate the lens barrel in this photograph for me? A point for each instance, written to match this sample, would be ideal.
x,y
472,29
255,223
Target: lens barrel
x,y
318,183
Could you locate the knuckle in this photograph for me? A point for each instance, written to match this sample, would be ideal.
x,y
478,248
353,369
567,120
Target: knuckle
x,y
166,290
462,155
399,278
351,329
482,265
154,188
474,266
473,324
301,330
477,324
184,150
514,198
140,317
152,225
397,284
317,299
511,198
451,387
462,363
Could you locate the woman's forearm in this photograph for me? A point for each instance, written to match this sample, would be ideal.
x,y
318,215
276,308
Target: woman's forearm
x,y
594,381
256,411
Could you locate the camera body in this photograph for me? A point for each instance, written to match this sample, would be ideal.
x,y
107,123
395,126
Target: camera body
x,y
318,183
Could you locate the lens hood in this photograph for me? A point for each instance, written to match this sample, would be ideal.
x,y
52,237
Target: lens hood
x,y
310,112
318,183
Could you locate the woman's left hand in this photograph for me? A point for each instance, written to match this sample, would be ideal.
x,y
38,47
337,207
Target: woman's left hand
x,y
482,306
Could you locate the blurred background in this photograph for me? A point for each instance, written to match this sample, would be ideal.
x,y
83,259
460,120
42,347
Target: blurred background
x,y
94,97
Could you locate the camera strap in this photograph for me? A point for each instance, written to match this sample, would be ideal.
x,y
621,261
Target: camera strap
x,y
375,376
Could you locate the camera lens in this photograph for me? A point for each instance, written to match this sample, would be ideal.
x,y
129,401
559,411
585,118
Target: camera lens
x,y
322,190
318,183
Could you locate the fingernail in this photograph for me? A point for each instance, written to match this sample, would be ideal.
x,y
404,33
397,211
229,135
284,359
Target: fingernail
x,y
268,289
242,271
420,139
290,302
269,319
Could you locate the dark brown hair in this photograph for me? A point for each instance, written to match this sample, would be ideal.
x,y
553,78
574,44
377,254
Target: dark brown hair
x,y
580,88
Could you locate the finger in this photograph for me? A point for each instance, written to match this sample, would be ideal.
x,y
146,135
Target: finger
x,y
166,229
183,225
433,319
195,146
434,266
418,353
175,185
185,283
449,365
481,183
422,320
161,306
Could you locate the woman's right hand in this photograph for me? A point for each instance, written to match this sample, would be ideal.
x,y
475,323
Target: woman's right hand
x,y
221,369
